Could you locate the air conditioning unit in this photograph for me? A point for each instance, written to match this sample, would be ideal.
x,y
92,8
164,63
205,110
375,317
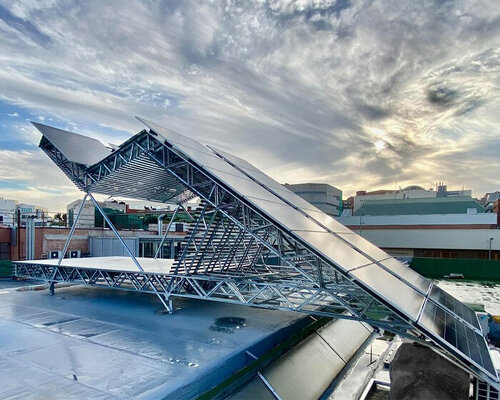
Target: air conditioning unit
x,y
74,254
53,254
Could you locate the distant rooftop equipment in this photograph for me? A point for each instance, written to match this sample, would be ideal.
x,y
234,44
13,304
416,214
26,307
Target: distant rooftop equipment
x,y
253,242
441,190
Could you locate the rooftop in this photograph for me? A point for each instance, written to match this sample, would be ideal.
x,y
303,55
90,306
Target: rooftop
x,y
99,343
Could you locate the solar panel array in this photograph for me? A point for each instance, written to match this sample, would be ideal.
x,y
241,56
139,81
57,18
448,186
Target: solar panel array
x,y
444,318
451,304
457,335
457,332
400,287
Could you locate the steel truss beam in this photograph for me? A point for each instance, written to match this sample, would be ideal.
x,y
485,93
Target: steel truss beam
x,y
253,292
233,253
228,235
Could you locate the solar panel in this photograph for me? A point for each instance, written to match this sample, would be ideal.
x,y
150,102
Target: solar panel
x,y
448,301
329,222
407,274
345,255
267,181
288,217
364,245
336,250
390,288
240,183
204,157
76,148
457,334
358,242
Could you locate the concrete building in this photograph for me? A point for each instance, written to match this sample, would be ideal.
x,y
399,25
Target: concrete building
x,y
325,197
439,235
93,242
409,192
348,204
7,211
29,210
88,216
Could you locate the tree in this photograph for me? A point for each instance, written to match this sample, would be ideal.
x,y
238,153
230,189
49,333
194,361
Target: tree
x,y
60,219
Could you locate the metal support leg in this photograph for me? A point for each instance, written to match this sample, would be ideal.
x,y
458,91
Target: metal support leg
x,y
167,302
187,212
68,241
166,232
108,221
72,231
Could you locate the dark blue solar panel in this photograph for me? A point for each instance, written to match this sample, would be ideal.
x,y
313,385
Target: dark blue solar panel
x,y
460,309
458,334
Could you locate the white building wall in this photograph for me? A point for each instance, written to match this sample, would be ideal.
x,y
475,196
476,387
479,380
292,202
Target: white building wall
x,y
324,196
7,212
429,219
459,239
87,216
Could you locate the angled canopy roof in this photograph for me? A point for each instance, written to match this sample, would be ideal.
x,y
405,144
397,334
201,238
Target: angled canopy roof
x,y
432,311
76,148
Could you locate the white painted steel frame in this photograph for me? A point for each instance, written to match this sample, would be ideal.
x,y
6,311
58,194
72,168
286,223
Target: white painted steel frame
x,y
234,252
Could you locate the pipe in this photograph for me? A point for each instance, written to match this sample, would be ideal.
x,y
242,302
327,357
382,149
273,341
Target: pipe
x,y
72,231
96,204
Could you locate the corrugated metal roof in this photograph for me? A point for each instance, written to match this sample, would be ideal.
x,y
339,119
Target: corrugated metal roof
x,y
430,205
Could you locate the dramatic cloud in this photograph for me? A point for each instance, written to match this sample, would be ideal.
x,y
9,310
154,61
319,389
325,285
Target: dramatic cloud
x,y
355,94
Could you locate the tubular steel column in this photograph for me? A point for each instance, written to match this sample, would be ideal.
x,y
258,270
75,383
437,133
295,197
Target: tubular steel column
x,y
30,237
158,251
165,300
108,221
66,245
73,228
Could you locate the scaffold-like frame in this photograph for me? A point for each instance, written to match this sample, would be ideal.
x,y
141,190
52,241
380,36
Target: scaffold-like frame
x,y
232,252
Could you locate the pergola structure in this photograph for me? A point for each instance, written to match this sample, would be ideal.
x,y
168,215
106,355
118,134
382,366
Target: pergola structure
x,y
252,242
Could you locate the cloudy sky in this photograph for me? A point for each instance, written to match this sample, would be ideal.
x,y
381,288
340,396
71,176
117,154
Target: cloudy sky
x,y
358,94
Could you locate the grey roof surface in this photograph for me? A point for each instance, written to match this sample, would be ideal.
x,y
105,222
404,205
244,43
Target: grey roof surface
x,y
103,344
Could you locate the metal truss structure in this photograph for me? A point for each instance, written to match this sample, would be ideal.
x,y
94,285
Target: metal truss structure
x,y
236,251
